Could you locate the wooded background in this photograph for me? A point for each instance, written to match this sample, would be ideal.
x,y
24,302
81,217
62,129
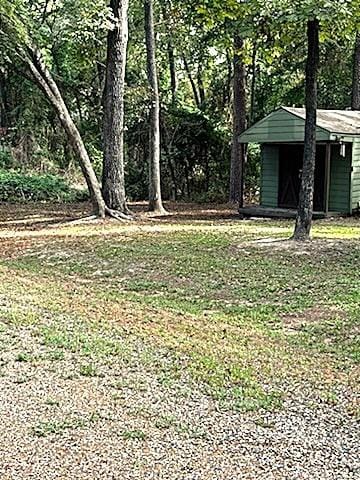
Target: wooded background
x,y
212,57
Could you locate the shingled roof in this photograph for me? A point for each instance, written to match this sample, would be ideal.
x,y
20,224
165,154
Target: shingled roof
x,y
345,122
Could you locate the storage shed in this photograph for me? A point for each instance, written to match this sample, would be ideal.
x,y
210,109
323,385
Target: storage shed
x,y
337,173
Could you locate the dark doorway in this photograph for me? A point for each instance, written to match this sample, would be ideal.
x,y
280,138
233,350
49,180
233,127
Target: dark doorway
x,y
290,167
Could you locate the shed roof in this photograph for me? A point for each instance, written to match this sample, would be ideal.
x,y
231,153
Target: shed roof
x,y
334,121
288,125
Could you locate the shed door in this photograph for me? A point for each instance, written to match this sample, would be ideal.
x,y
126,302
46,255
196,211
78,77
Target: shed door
x,y
290,167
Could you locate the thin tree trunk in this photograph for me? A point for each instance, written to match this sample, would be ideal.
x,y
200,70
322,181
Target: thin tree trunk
x,y
201,86
253,83
192,82
173,81
355,100
227,91
113,182
3,101
306,198
79,109
168,148
155,200
166,14
99,86
238,153
43,78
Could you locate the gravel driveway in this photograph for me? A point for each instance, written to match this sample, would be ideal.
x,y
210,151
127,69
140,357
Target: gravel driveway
x,y
124,422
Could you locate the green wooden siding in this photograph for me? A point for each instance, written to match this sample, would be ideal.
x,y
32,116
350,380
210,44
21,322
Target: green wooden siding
x,y
340,180
355,196
340,175
280,126
269,175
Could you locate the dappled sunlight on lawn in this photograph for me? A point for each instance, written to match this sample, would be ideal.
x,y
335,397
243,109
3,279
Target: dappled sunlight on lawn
x,y
229,296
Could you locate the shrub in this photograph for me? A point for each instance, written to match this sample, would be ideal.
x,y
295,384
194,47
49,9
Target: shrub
x,y
214,195
6,159
18,187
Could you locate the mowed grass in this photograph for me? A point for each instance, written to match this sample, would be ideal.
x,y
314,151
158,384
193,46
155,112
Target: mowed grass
x,y
245,321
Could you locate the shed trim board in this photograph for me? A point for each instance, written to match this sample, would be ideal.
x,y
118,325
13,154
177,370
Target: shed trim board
x,y
355,174
327,176
288,124
338,177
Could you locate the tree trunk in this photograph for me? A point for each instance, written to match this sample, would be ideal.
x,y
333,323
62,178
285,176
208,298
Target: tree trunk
x,y
173,81
192,82
3,100
43,78
201,86
155,200
306,197
113,182
166,18
355,100
253,84
168,152
229,77
238,153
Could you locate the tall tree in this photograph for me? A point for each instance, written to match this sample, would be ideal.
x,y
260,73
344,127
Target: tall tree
x,y
306,198
238,153
155,199
355,98
113,182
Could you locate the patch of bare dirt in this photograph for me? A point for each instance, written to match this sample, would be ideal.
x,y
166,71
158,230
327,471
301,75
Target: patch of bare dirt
x,y
40,215
11,249
331,246
35,216
313,315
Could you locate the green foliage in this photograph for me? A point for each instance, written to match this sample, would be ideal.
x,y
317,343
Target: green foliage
x,y
88,370
196,136
58,427
6,160
133,435
17,187
195,154
198,152
23,357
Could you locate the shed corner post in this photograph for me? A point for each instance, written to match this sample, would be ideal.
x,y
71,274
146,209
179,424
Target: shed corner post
x,y
327,176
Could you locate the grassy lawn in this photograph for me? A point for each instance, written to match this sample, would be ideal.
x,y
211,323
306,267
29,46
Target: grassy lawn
x,y
200,297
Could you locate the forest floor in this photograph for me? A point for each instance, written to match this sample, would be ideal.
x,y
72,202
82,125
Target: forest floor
x,y
196,346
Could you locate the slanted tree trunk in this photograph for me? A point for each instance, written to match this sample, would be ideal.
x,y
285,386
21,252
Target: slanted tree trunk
x,y
155,200
306,198
201,87
43,78
238,153
113,182
355,100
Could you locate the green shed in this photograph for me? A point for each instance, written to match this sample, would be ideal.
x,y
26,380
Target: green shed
x,y
337,172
